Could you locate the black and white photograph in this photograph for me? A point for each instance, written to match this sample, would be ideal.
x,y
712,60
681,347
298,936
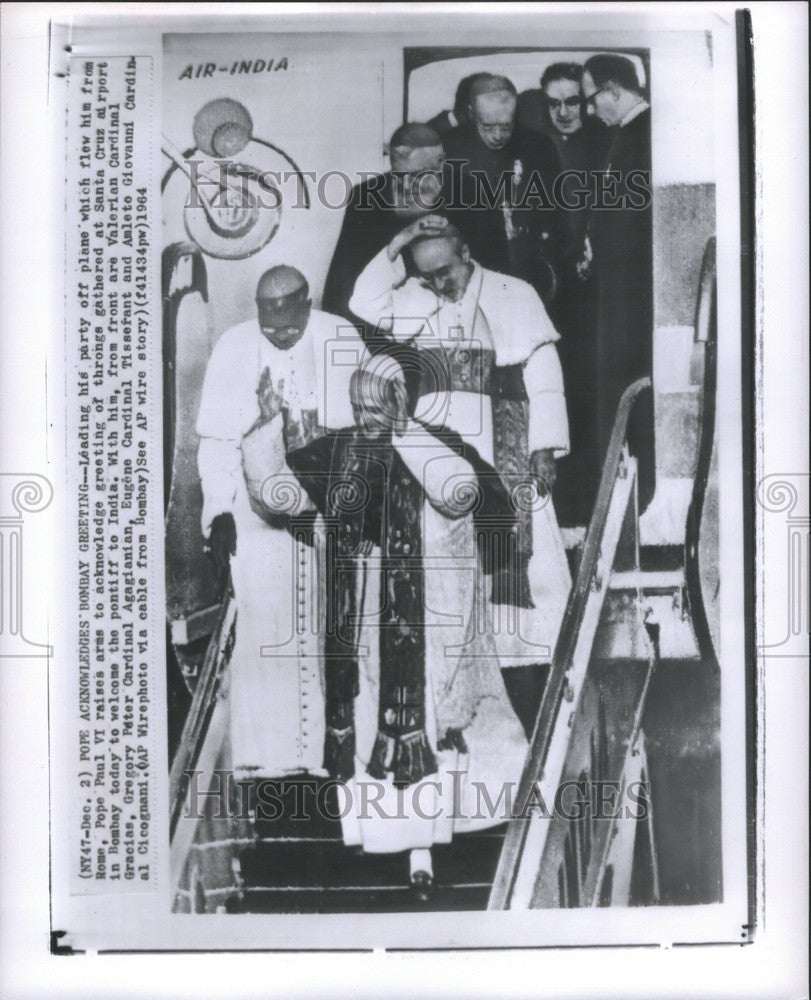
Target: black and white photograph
x,y
416,532
442,556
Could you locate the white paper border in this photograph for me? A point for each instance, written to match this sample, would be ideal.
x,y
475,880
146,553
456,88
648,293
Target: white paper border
x,y
773,963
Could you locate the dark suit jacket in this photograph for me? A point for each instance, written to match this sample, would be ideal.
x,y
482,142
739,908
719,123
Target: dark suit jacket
x,y
442,123
483,227
625,232
369,224
622,241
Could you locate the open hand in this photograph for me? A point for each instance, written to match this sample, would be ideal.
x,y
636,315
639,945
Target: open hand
x,y
270,398
426,225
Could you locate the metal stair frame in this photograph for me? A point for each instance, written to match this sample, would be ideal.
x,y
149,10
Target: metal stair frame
x,y
524,843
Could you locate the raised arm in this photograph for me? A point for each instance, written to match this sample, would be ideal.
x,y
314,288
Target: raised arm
x,y
384,294
272,483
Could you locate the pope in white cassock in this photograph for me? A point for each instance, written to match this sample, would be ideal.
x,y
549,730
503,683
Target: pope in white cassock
x,y
304,358
489,370
420,731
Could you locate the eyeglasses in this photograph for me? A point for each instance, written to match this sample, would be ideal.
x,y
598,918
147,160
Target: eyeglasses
x,y
589,101
568,102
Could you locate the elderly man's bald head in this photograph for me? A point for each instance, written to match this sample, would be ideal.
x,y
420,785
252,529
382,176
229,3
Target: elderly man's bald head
x,y
414,135
489,83
493,102
377,392
449,232
281,281
283,304
415,147
442,260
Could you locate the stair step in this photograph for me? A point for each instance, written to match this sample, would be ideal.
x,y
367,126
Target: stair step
x,y
469,858
648,581
294,808
361,899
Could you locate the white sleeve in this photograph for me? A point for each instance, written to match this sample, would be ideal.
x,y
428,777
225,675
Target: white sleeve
x,y
520,321
228,402
384,296
219,462
227,407
536,318
548,421
269,479
448,480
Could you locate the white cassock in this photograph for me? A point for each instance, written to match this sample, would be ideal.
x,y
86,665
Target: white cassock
x,y
500,321
275,684
463,685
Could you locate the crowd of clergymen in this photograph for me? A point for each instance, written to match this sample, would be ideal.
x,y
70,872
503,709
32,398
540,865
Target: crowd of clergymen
x,y
393,633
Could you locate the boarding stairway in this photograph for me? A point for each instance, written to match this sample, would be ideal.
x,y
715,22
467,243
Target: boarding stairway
x,y
590,733
589,724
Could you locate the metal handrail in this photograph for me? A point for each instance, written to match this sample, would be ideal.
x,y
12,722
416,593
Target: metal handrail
x,y
195,727
564,651
706,333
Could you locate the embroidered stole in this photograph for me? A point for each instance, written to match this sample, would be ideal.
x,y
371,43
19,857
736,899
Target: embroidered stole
x,y
373,496
462,366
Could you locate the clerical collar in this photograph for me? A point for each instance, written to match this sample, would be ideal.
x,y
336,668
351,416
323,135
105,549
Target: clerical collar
x,y
635,112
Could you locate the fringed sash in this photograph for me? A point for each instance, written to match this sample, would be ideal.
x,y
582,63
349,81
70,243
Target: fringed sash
x,y
366,492
466,366
367,478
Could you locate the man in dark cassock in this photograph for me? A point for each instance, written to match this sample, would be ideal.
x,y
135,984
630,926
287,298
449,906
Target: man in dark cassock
x,y
499,188
380,207
621,244
581,141
415,703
